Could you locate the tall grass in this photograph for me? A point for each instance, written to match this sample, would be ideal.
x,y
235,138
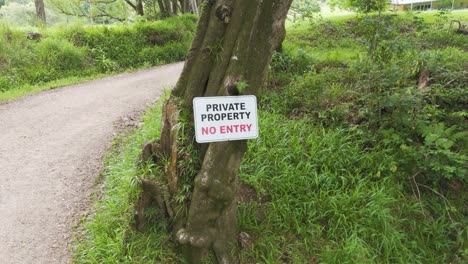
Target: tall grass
x,y
330,198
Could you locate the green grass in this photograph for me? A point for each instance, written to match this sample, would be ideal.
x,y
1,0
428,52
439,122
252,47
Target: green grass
x,y
332,200
32,89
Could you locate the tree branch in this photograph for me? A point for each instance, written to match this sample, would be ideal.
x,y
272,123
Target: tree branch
x,y
131,4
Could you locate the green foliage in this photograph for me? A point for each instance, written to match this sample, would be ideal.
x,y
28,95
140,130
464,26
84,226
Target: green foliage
x,y
76,50
324,194
127,47
101,11
413,142
360,6
304,9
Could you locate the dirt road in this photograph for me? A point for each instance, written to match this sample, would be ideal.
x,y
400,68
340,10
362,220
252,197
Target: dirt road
x,y
51,148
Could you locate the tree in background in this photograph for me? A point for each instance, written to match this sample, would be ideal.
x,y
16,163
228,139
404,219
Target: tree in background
x,y
123,10
304,9
2,3
40,11
360,6
197,184
174,7
137,6
98,10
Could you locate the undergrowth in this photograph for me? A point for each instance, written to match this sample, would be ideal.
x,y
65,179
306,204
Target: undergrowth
x,y
358,163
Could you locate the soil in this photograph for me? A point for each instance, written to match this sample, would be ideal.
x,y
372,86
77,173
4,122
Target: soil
x,y
51,150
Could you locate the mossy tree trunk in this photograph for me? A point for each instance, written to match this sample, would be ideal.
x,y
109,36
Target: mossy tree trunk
x,y
234,43
40,11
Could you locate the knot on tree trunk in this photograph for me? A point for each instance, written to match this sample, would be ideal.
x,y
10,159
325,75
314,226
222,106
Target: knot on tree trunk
x,y
231,85
149,151
215,189
424,79
224,12
152,195
34,35
201,240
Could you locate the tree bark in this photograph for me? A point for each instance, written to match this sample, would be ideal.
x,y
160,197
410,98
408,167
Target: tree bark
x,y
234,43
193,6
162,8
168,7
139,8
40,10
175,7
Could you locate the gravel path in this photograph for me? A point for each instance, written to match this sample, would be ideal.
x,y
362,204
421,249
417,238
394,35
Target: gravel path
x,y
51,149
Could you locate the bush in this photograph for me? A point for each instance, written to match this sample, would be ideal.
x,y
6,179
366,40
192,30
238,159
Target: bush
x,y
59,58
122,46
82,51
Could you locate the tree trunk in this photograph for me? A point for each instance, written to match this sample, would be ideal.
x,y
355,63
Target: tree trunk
x,y
193,6
139,8
168,7
234,43
40,10
175,7
162,8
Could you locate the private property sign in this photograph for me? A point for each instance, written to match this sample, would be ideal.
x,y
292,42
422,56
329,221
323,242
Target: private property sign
x,y
225,118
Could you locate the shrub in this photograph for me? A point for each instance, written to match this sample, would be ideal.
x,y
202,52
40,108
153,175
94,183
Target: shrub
x,y
75,50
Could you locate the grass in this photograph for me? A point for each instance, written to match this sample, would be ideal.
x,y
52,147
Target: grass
x,y
32,89
331,200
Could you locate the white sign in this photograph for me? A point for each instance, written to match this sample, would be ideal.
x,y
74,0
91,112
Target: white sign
x,y
225,118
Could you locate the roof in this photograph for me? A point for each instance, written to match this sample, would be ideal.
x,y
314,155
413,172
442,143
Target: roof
x,y
409,2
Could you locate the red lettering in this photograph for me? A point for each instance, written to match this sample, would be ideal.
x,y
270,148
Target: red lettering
x,y
242,128
208,130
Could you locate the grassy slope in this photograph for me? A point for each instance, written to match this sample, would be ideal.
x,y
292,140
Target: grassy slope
x,y
337,193
333,185
72,53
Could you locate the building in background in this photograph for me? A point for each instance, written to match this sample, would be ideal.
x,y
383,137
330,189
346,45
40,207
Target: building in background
x,y
421,5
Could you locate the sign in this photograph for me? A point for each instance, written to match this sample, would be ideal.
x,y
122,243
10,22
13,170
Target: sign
x,y
225,118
